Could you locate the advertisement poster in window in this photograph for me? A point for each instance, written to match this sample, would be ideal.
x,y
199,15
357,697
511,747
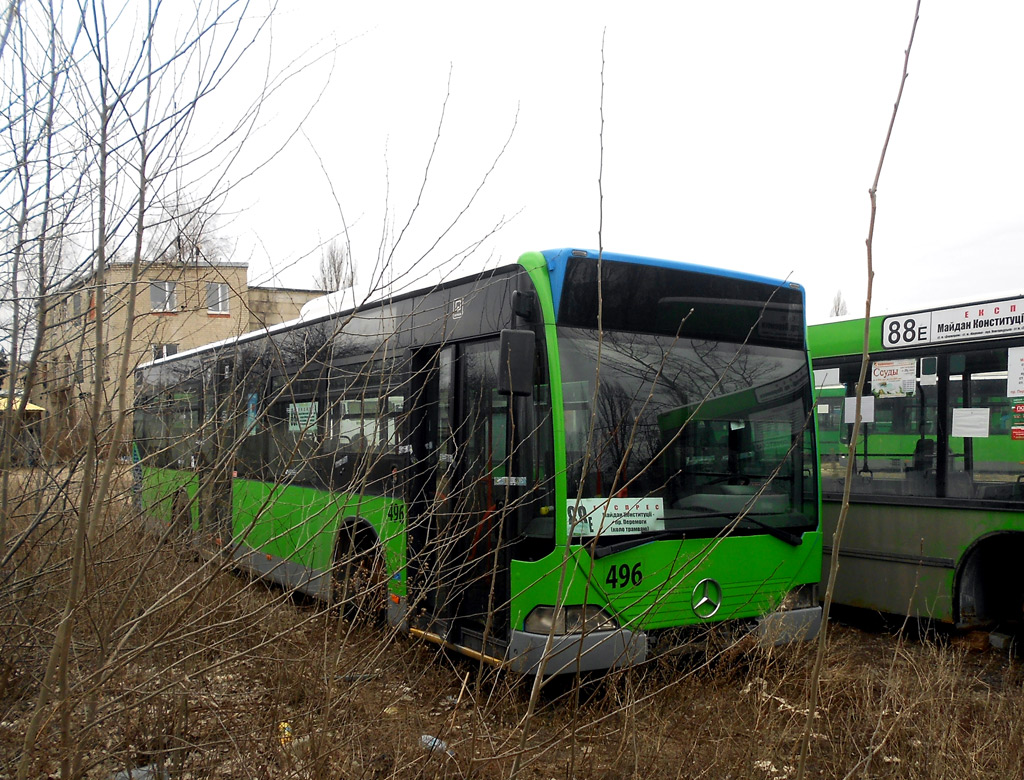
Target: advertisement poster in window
x,y
893,378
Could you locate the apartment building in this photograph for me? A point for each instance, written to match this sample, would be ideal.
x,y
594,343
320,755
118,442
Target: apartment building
x,y
178,306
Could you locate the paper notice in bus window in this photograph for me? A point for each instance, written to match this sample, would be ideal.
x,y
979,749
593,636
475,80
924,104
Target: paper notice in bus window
x,y
867,409
302,417
826,377
615,516
970,423
1015,371
893,378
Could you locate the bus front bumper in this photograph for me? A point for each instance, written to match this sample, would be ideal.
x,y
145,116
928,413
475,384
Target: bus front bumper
x,y
572,653
791,625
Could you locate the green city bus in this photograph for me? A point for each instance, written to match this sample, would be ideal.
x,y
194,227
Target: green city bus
x,y
936,516
550,466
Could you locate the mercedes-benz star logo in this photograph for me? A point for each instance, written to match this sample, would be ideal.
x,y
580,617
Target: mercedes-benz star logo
x,y
706,599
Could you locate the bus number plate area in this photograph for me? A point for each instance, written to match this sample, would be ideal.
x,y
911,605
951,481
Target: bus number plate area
x,y
624,575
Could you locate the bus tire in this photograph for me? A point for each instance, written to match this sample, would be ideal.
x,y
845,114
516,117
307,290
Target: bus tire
x,y
359,575
181,515
181,533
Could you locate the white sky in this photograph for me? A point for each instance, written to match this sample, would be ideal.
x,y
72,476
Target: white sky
x,y
740,135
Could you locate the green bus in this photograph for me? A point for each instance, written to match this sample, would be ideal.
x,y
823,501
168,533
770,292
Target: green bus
x,y
550,466
936,516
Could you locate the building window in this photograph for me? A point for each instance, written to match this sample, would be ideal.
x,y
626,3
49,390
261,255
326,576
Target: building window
x,y
162,296
164,350
85,367
217,298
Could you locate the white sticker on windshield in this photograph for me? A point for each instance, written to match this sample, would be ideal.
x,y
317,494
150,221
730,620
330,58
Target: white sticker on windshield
x,y
615,516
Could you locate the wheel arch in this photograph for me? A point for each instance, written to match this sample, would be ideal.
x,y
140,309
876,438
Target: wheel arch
x,y
355,533
357,542
988,587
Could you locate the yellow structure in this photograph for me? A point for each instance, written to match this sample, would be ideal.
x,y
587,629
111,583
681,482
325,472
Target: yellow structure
x,y
178,306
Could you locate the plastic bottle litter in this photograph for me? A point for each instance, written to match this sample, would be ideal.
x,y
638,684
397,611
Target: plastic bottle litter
x,y
149,772
433,743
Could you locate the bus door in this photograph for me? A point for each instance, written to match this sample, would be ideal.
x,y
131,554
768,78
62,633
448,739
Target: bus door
x,y
478,494
430,421
461,509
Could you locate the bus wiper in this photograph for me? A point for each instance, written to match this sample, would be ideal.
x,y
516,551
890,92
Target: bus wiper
x,y
779,533
600,551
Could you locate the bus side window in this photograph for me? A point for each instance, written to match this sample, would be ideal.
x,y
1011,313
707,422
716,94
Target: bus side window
x,y
363,431
483,431
987,464
833,430
295,431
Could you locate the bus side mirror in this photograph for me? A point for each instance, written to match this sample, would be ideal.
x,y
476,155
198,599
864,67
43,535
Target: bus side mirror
x,y
516,351
524,305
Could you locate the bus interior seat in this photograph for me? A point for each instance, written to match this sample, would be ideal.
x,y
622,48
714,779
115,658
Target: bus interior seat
x,y
1001,491
924,455
959,485
889,487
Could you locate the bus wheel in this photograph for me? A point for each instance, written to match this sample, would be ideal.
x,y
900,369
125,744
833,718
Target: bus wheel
x,y
359,581
181,517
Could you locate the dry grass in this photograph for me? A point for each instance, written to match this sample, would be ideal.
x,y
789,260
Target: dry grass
x,y
176,661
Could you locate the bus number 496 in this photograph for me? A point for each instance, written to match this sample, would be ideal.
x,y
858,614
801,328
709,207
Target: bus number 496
x,y
623,575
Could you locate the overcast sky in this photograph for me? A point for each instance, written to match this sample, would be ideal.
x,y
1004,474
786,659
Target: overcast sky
x,y
740,135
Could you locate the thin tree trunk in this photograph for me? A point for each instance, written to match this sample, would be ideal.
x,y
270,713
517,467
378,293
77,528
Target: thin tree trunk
x,y
852,450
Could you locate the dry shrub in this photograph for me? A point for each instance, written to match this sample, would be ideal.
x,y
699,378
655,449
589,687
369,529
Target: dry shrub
x,y
179,660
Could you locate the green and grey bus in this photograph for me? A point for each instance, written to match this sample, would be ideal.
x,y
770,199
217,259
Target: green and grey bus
x,y
936,518
547,466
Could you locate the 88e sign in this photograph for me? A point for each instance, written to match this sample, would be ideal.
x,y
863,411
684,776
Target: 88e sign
x,y
906,330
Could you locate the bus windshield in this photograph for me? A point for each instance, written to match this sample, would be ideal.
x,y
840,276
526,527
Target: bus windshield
x,y
671,434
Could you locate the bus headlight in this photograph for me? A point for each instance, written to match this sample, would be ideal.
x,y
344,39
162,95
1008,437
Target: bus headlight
x,y
569,620
800,598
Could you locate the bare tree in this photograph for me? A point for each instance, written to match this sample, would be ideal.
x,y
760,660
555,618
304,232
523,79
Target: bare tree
x,y
100,164
814,682
95,136
187,232
838,305
336,271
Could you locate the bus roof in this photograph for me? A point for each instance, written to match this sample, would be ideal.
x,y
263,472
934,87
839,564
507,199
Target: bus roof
x,y
558,260
308,318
